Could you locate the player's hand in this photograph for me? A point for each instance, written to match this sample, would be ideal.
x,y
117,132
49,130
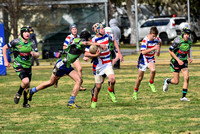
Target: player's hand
x,y
32,53
6,64
158,53
121,57
180,62
98,53
85,59
103,46
190,60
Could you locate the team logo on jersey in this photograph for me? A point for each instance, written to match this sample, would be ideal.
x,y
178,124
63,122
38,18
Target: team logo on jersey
x,y
20,46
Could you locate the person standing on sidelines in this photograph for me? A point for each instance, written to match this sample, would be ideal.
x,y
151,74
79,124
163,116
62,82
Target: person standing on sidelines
x,y
180,51
33,37
146,59
63,67
23,49
70,40
117,35
102,63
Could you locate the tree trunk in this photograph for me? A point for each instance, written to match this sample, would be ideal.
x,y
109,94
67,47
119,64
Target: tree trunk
x,y
132,21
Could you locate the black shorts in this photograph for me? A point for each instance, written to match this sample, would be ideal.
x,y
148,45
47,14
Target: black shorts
x,y
175,67
23,72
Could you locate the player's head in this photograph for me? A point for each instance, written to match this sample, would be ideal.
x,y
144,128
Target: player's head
x,y
73,29
186,33
98,29
85,35
108,30
25,33
30,29
153,33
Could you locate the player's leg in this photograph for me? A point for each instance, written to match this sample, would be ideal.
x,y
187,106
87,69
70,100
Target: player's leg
x,y
175,68
77,65
111,78
137,83
24,76
43,85
102,81
152,68
98,83
75,76
185,84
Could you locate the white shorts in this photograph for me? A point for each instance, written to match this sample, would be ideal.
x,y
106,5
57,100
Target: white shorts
x,y
105,70
143,67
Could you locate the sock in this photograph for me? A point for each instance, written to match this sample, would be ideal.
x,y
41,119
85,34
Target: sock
x,y
168,81
110,90
72,99
184,92
94,99
151,81
136,89
33,90
20,90
25,98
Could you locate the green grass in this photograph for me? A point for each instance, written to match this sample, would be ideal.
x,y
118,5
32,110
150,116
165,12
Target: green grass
x,y
152,113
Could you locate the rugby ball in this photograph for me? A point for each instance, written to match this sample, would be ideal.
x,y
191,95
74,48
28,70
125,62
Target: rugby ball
x,y
93,49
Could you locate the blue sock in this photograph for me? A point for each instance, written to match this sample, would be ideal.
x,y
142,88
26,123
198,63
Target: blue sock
x,y
33,90
72,99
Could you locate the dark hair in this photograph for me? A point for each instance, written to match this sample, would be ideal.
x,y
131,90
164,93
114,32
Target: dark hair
x,y
85,35
154,30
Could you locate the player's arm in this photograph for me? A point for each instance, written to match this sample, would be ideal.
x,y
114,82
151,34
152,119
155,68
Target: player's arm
x,y
190,56
172,48
6,63
118,50
156,47
158,50
89,55
34,51
89,43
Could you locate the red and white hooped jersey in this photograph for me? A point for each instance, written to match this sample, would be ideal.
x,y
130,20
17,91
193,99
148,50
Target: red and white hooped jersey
x,y
69,39
104,57
147,44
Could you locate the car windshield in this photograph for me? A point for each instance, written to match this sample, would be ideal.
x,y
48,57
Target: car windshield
x,y
179,21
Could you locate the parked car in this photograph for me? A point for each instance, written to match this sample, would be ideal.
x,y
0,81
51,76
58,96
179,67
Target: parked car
x,y
168,26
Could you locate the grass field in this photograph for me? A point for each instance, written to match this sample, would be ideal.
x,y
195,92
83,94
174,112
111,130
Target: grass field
x,y
152,113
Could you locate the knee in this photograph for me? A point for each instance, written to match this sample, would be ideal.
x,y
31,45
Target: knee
x,y
98,86
112,81
51,83
140,78
79,69
187,79
79,81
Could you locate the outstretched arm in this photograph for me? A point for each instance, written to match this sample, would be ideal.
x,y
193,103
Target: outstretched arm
x,y
103,46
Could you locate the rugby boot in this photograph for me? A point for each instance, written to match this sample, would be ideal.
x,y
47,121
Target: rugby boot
x,y
112,95
165,86
135,95
17,98
29,94
153,89
73,106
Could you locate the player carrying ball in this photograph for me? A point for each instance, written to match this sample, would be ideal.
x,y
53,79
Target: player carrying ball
x,y
63,67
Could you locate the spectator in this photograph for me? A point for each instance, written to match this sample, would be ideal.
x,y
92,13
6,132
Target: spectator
x,y
33,37
117,35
